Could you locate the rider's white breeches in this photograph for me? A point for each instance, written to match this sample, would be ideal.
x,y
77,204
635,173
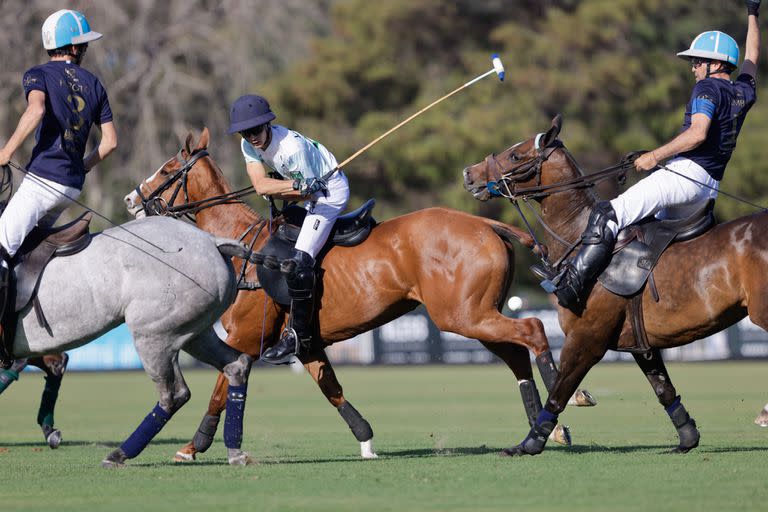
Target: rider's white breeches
x,y
665,194
322,214
37,202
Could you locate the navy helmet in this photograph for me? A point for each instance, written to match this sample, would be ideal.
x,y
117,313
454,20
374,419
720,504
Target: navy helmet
x,y
249,111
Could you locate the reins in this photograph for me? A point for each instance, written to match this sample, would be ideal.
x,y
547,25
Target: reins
x,y
154,204
506,186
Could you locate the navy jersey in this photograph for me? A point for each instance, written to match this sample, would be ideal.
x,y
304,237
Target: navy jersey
x,y
74,101
726,104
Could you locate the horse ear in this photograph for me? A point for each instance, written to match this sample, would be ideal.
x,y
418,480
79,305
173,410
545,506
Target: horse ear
x,y
205,137
186,151
551,136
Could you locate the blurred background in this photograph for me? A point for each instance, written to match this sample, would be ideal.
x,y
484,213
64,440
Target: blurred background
x,y
344,71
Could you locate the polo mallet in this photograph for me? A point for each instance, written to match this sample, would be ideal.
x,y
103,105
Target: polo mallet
x,y
498,68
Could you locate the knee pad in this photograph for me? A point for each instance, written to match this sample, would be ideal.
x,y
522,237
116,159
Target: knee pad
x,y
597,231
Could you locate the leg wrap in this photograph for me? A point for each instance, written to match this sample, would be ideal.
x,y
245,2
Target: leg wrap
x,y
233,421
357,424
547,369
152,424
205,432
534,443
48,401
531,400
6,378
685,426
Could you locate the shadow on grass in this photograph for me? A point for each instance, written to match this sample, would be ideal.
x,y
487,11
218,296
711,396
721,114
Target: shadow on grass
x,y
107,444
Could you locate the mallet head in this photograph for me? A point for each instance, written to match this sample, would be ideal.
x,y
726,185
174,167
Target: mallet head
x,y
498,66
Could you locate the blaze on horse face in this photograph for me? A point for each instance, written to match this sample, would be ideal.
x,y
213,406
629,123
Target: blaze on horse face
x,y
481,177
134,201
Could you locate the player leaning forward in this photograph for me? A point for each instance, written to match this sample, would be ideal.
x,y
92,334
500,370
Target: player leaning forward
x,y
306,168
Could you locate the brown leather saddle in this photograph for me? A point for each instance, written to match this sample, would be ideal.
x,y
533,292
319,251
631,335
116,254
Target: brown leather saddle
x,y
38,249
637,251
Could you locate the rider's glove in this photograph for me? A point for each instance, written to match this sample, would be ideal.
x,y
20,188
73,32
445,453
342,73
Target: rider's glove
x,y
753,6
312,186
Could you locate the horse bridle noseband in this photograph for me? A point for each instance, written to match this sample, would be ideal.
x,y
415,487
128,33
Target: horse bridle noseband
x,y
154,204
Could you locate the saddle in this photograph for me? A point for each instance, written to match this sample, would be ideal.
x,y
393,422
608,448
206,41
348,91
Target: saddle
x,y
349,230
637,251
27,266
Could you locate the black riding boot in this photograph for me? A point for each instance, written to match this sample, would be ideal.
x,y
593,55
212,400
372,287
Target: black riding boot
x,y
6,354
297,337
597,245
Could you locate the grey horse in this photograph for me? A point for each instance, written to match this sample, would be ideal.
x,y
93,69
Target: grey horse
x,y
168,281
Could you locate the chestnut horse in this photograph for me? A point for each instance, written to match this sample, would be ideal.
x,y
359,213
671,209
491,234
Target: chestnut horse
x,y
458,265
704,284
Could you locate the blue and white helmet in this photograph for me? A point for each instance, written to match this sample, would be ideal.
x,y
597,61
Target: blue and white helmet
x,y
66,27
713,45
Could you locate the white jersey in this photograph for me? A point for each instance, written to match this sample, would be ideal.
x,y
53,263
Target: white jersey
x,y
292,155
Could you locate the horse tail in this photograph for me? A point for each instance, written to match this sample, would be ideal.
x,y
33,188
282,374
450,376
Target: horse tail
x,y
511,234
233,248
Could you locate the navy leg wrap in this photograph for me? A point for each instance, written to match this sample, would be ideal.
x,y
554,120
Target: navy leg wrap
x,y
152,424
357,424
233,421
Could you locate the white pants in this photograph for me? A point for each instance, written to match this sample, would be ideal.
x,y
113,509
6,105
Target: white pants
x,y
321,215
665,194
38,202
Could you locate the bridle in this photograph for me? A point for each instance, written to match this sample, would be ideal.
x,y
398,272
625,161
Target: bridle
x,y
154,204
507,185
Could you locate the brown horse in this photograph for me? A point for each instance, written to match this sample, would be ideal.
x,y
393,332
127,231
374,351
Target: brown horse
x,y
458,265
704,284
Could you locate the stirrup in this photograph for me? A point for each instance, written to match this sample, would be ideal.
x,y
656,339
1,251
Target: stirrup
x,y
550,280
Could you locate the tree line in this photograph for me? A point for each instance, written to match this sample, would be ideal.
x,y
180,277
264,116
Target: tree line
x,y
345,71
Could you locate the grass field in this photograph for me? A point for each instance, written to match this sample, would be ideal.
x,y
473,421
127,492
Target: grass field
x,y
437,432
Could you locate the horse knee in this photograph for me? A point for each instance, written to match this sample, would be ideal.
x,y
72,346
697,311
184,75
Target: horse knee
x,y
181,397
237,371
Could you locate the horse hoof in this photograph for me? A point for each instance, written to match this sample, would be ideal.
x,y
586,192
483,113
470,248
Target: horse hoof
x,y
366,450
116,459
184,457
54,439
240,458
561,435
762,419
582,398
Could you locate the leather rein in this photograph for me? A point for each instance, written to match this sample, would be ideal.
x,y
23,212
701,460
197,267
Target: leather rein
x,y
507,185
155,204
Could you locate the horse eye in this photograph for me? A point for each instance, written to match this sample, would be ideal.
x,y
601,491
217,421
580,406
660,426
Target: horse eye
x,y
513,157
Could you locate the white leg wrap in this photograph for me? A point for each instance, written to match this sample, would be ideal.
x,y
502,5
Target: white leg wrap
x,y
366,450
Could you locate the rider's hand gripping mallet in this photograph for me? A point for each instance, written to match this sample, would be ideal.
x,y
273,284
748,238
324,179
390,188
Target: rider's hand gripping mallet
x,y
498,68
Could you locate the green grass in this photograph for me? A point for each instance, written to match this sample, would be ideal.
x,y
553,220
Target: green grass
x,y
438,430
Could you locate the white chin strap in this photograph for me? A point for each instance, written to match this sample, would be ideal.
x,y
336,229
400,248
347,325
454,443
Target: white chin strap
x,y
536,142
